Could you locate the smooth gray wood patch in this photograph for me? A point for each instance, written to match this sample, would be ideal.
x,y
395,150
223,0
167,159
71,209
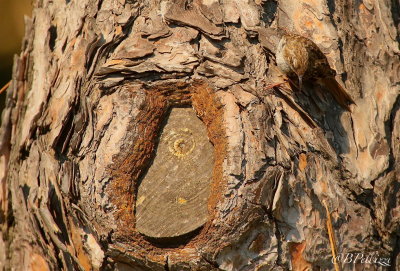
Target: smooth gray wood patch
x,y
172,197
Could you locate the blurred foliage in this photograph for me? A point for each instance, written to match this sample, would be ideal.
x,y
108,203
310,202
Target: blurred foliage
x,y
11,32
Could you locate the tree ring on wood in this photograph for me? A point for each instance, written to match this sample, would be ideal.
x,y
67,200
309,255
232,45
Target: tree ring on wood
x,y
181,142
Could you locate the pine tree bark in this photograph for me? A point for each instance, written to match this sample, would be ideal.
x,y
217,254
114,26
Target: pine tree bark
x,y
291,174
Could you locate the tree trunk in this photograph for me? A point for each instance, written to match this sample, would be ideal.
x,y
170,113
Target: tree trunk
x,y
161,136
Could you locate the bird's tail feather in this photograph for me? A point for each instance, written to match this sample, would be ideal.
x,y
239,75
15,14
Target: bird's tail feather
x,y
339,93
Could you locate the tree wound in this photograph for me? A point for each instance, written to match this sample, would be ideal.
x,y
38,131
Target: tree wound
x,y
172,196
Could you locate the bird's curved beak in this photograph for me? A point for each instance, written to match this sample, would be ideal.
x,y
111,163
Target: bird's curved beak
x,y
300,80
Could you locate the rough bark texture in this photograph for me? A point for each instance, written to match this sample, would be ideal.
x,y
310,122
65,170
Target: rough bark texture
x,y
93,86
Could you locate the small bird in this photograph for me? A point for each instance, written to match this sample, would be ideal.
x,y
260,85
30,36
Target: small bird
x,y
301,57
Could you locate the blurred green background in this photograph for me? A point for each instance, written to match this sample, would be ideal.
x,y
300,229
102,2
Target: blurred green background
x,y
11,32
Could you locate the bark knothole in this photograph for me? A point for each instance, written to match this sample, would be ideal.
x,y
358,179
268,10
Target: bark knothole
x,y
172,196
166,184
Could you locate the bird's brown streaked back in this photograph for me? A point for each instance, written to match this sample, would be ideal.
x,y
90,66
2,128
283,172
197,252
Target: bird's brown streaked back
x,y
301,57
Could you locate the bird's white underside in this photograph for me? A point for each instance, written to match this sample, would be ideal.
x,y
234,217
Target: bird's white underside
x,y
280,61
